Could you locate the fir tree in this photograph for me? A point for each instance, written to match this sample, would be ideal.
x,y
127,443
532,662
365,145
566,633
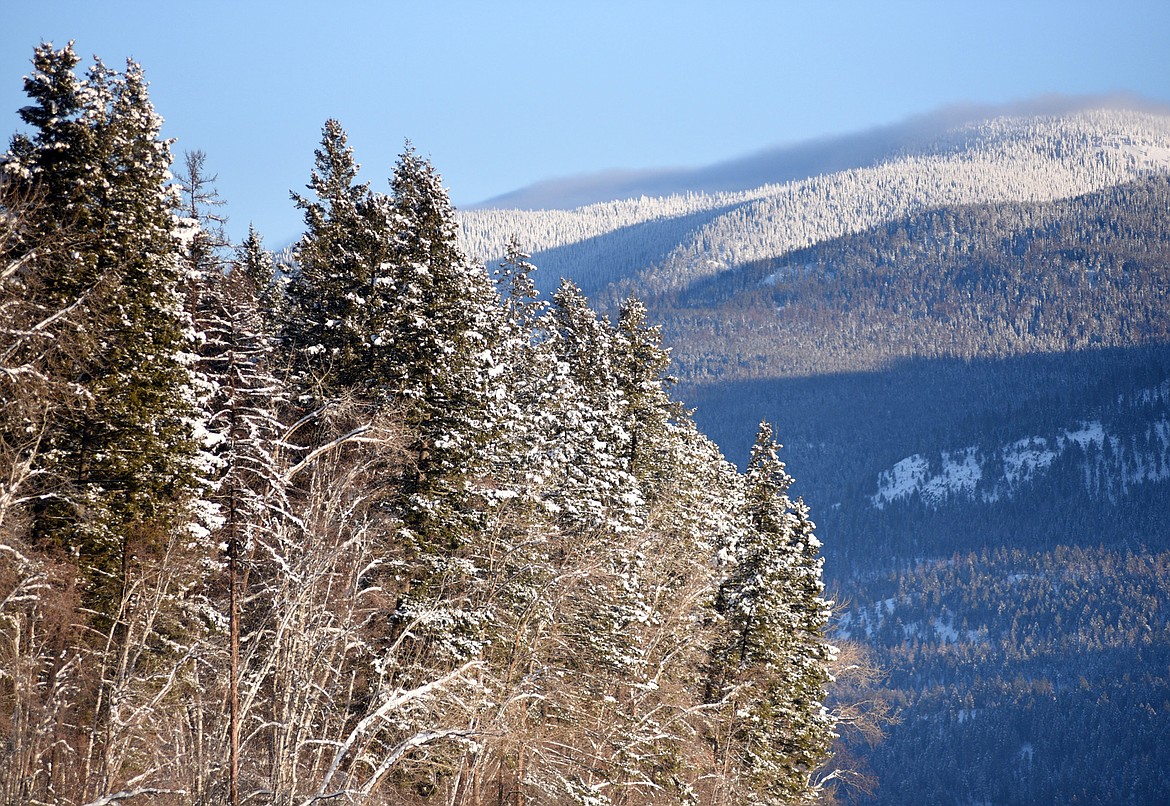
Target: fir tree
x,y
256,261
772,664
244,423
448,320
445,336
591,440
642,363
126,451
336,294
240,400
515,285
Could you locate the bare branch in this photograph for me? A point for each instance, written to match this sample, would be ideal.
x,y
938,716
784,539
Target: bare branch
x,y
353,436
117,797
390,705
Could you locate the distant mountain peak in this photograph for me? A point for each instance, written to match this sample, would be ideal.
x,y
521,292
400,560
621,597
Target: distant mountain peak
x,y
796,161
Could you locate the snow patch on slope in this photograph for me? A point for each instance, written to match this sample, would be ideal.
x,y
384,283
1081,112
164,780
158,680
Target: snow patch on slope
x,y
1025,459
1110,462
959,475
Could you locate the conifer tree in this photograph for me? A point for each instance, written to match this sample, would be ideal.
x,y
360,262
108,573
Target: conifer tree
x,y
244,421
126,452
514,282
771,666
336,295
445,336
240,404
448,320
642,363
256,261
536,385
591,443
116,473
204,238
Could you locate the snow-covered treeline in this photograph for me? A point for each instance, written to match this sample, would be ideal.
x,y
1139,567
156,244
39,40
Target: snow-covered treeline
x,y
1005,159
379,528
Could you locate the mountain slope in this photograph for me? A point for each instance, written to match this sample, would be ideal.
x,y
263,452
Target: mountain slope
x,y
1004,159
791,162
966,349
968,281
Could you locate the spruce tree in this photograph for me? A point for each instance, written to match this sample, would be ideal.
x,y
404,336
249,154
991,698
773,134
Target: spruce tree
x,y
256,261
591,438
243,417
516,287
771,666
240,400
448,320
336,296
445,336
641,366
122,457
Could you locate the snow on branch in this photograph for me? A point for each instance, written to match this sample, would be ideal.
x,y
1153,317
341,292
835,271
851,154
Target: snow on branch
x,y
390,705
353,436
116,798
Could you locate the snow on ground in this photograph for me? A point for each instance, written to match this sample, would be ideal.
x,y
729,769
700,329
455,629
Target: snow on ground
x,y
902,480
1023,459
1111,462
960,475
1088,432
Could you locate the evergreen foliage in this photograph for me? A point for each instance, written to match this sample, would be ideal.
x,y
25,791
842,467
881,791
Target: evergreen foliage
x,y
772,606
121,456
336,296
465,550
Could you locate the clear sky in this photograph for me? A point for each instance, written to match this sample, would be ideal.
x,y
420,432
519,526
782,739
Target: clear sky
x,y
503,93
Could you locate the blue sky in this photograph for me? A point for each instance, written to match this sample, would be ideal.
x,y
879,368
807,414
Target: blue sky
x,y
504,93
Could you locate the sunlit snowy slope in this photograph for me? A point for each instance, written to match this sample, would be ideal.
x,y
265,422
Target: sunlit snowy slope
x,y
667,242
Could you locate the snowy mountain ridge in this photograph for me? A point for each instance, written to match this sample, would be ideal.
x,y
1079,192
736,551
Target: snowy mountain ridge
x,y
795,161
671,241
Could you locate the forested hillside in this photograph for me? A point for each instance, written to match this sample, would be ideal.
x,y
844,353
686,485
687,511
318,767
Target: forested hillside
x,y
795,161
974,281
965,349
405,517
663,244
379,526
977,397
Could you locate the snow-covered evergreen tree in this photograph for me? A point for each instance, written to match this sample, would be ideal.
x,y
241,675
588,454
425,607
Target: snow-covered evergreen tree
x,y
336,294
771,666
597,489
445,336
477,546
122,456
642,363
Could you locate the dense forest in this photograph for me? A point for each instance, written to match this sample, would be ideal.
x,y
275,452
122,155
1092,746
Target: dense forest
x,y
377,526
966,350
977,398
668,244
379,520
968,282
1024,676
